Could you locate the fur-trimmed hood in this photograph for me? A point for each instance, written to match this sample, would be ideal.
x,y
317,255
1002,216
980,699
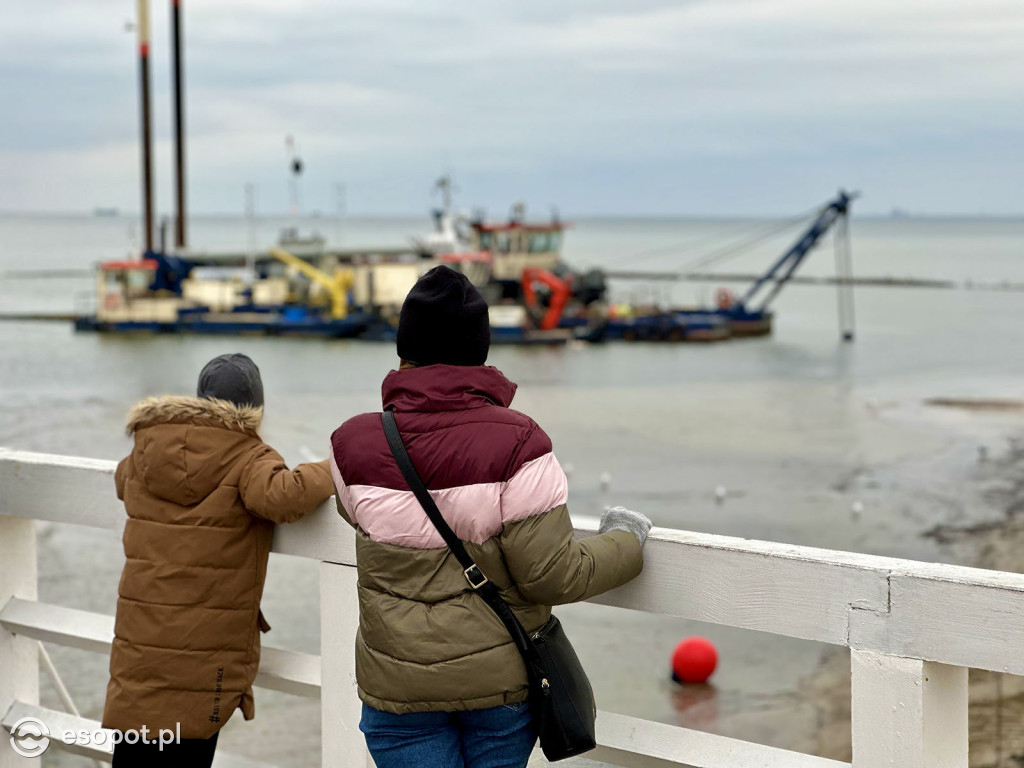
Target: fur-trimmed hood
x,y
177,409
186,446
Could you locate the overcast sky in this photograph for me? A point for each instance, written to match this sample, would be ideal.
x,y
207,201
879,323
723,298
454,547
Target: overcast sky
x,y
636,107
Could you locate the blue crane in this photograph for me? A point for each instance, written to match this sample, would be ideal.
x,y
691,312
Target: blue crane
x,y
743,312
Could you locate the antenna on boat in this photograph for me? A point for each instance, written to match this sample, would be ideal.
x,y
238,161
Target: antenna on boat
x,y
446,187
341,206
517,214
142,30
295,171
179,125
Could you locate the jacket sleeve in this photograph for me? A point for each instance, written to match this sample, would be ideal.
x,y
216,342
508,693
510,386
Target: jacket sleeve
x,y
550,568
344,512
121,476
547,564
341,494
272,491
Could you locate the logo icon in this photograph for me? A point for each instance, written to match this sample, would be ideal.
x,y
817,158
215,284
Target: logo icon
x,y
30,737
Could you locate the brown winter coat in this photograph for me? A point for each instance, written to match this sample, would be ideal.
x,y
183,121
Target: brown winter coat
x,y
202,493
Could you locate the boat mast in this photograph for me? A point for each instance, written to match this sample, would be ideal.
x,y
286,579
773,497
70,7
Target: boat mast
x,y
142,27
179,125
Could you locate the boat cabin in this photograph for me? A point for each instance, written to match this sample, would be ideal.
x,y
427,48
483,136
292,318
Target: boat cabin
x,y
517,245
124,293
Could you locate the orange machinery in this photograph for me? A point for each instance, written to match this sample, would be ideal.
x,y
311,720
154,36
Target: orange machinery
x,y
561,291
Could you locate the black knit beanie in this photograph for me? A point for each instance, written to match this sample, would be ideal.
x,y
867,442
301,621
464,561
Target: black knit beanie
x,y
444,320
234,378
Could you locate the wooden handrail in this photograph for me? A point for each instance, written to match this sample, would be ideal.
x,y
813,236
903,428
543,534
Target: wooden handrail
x,y
913,628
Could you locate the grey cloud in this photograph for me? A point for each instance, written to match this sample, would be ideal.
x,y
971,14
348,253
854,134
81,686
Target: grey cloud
x,y
543,97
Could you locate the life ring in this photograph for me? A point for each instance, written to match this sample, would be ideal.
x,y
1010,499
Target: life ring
x,y
724,298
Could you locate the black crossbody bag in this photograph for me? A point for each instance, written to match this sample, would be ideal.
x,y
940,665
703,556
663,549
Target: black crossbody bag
x,y
561,698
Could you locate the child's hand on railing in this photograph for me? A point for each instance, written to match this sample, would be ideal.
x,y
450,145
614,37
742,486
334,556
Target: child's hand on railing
x,y
622,519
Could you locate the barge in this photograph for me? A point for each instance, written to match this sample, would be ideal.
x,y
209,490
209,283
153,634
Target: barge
x,y
535,297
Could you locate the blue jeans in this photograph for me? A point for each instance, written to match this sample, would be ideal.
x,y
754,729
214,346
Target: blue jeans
x,y
499,737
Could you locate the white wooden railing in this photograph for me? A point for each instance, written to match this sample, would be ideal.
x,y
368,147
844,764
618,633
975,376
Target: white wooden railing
x,y
913,628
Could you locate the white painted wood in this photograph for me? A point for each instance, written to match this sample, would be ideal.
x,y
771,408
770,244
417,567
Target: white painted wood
x,y
280,670
908,713
634,743
941,613
57,723
55,624
342,742
961,616
228,760
289,672
68,489
323,536
794,591
19,656
60,722
64,489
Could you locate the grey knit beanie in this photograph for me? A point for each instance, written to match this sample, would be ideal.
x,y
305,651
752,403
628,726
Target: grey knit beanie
x,y
234,378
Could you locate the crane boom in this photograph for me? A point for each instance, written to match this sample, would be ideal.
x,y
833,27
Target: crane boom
x,y
785,267
337,286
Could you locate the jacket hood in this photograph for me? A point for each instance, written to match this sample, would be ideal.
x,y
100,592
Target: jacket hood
x,y
435,388
185,446
175,409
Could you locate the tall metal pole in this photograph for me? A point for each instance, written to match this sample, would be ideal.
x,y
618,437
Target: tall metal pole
x,y
844,277
848,268
147,139
179,126
250,221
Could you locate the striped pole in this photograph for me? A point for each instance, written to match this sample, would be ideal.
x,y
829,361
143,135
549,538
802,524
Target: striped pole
x,y
147,160
179,125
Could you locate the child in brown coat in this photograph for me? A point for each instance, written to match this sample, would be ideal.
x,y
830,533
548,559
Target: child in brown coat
x,y
202,492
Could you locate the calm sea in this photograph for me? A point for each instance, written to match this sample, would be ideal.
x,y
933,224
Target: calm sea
x,y
797,428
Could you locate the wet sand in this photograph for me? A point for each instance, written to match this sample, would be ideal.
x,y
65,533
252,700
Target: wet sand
x,y
996,708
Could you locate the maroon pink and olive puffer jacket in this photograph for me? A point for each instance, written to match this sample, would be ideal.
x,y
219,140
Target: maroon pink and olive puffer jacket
x,y
426,641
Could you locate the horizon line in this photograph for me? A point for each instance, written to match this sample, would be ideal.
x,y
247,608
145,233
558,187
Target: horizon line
x,y
113,212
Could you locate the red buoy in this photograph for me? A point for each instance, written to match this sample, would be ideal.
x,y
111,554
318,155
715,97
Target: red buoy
x,y
694,660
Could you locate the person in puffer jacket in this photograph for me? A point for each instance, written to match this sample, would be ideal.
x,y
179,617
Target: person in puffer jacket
x,y
441,683
202,493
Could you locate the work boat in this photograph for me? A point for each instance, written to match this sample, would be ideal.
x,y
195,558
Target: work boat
x,y
534,296
517,266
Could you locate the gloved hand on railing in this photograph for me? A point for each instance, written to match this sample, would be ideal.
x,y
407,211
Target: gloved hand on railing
x,y
622,519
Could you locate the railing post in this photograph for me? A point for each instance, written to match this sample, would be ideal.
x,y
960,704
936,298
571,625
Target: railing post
x,y
343,744
908,713
19,657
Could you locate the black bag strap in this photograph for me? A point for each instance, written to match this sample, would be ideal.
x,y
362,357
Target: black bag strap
x,y
476,578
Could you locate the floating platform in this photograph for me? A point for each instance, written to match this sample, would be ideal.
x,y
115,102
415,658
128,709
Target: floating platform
x,y
299,321
241,323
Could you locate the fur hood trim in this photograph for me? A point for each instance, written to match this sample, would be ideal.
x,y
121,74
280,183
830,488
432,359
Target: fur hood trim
x,y
176,409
